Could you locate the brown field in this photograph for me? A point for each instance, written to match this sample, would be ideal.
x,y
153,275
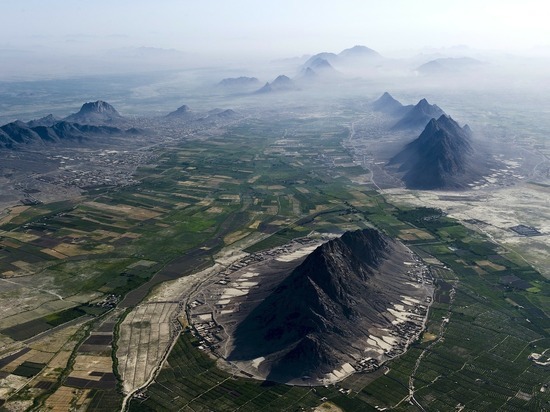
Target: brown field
x,y
12,213
86,364
137,213
67,399
9,243
54,253
255,224
478,270
144,336
490,264
22,237
235,236
428,337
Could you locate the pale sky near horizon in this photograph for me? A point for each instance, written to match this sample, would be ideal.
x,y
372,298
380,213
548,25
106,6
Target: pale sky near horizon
x,y
277,28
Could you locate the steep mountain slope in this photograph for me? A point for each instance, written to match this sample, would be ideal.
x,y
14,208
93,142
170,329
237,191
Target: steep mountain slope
x,y
418,116
98,112
183,112
441,157
16,134
315,320
387,104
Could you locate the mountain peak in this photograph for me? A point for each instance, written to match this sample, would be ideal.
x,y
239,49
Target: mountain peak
x,y
98,106
281,83
309,324
182,112
95,112
387,104
418,116
439,158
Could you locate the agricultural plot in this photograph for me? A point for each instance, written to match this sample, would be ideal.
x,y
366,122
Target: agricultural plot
x,y
144,337
258,185
475,335
191,381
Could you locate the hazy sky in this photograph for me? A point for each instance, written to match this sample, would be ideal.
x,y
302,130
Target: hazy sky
x,y
276,28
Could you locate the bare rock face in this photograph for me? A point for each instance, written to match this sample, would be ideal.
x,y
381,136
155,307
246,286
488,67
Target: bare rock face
x,y
98,112
442,157
321,316
16,134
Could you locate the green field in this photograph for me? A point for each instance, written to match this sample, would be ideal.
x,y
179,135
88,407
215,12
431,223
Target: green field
x,y
203,195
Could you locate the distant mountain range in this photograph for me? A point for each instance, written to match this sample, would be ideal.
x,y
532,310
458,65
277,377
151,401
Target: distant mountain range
x,y
186,114
449,65
440,158
242,82
316,319
352,56
281,84
16,134
318,68
50,129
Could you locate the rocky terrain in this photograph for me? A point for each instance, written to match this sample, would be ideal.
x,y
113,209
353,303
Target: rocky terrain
x,y
17,134
98,112
442,157
417,117
331,311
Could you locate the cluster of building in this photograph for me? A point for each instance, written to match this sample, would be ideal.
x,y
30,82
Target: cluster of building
x,y
109,301
367,364
105,168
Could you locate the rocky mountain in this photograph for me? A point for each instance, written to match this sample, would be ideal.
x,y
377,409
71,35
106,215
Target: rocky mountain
x,y
281,84
16,134
440,158
418,116
183,112
314,320
98,112
48,120
387,104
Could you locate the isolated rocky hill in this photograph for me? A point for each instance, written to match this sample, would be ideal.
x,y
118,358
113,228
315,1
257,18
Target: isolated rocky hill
x,y
98,112
387,104
183,112
442,157
314,321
